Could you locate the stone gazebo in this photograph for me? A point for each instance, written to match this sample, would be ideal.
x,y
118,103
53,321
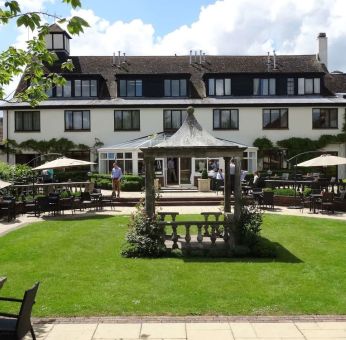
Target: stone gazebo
x,y
191,140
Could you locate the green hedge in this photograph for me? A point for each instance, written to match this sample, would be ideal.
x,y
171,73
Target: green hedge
x,y
74,176
128,182
15,173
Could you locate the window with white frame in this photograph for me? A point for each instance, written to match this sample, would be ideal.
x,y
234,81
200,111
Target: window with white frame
x,y
130,88
249,161
264,86
309,86
85,88
124,161
175,88
290,86
219,86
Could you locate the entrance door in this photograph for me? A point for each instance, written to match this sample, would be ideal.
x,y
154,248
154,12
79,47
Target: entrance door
x,y
172,171
185,171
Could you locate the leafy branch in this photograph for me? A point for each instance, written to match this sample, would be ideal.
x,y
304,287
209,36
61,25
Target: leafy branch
x,y
33,61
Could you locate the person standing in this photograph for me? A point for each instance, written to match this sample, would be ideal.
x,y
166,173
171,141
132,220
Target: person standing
x,y
171,170
219,175
116,177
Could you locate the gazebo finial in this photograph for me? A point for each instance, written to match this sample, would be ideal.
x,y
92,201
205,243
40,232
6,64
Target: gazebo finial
x,y
190,110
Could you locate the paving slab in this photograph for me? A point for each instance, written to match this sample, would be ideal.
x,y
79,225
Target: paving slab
x,y
115,331
243,330
279,330
163,330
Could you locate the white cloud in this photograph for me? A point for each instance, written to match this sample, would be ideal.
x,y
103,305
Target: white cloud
x,y
226,27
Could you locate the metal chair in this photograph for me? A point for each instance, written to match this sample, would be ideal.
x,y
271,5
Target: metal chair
x,y
327,202
268,199
16,326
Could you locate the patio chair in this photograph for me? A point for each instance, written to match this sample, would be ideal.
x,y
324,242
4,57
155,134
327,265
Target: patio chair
x,y
219,186
268,199
327,202
42,205
29,207
85,199
16,326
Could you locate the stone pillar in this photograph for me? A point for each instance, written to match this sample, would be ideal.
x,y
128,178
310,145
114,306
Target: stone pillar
x,y
149,186
237,190
227,185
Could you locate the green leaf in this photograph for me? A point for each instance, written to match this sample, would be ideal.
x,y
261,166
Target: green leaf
x,y
73,3
14,6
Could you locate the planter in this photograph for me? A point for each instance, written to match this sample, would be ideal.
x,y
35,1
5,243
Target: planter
x,y
203,184
156,184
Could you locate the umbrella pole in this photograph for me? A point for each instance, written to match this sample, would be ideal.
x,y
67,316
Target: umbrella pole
x,y
295,206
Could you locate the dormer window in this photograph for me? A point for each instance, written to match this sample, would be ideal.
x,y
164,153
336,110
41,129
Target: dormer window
x,y
75,88
219,87
175,87
130,88
264,87
58,41
309,86
85,88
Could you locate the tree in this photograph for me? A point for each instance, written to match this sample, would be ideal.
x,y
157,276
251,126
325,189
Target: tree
x,y
32,61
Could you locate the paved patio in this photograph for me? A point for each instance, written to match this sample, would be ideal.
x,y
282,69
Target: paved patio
x,y
262,328
23,220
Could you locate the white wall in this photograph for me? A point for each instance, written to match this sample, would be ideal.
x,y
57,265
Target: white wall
x,y
102,126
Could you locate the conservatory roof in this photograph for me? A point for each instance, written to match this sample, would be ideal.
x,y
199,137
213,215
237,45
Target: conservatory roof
x,y
153,140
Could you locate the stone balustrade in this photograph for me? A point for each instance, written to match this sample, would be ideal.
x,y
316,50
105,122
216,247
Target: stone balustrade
x,y
208,232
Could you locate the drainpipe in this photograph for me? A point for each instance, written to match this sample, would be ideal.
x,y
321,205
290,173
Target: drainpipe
x,y
7,154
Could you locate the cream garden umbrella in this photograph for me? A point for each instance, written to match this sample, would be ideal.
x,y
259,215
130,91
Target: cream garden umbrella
x,y
4,184
62,162
324,160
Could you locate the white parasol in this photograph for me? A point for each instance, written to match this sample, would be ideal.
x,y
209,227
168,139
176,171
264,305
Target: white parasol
x,y
62,162
324,160
4,184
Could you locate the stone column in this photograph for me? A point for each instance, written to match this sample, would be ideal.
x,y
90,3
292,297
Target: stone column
x,y
149,186
237,190
227,189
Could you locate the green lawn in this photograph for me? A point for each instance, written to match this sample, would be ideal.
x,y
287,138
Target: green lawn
x,y
82,273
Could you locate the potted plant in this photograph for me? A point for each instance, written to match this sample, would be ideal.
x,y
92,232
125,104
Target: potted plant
x,y
204,181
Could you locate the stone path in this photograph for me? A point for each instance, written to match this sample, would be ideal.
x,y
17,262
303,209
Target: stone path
x,y
91,329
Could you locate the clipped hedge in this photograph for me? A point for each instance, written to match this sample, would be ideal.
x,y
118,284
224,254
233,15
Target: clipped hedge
x,y
128,182
74,176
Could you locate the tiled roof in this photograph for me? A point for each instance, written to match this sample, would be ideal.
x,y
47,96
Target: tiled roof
x,y
336,82
180,65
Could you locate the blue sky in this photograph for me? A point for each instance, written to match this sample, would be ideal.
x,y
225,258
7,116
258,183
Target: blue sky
x,y
164,15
